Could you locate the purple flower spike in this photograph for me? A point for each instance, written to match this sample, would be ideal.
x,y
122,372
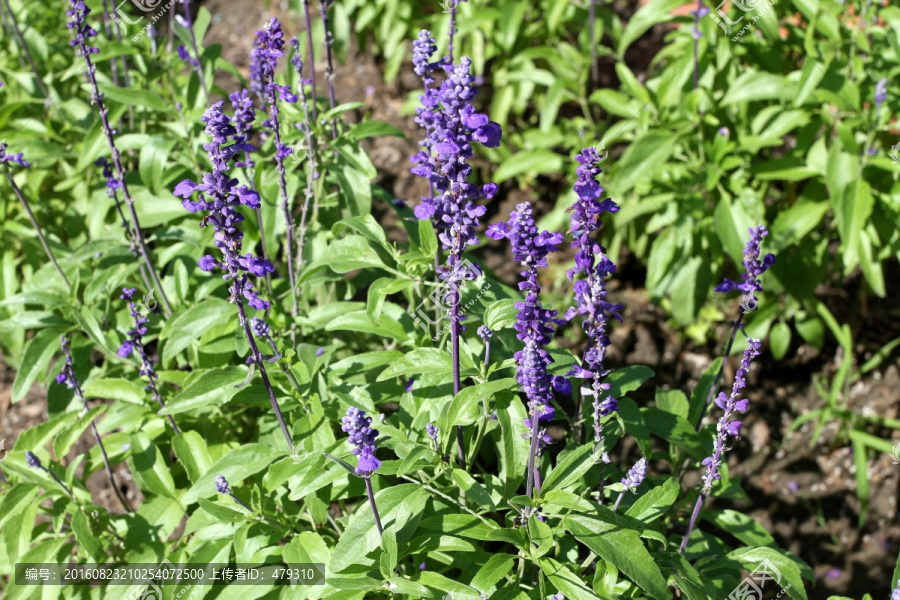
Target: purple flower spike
x,y
591,294
33,461
880,93
895,595
485,333
362,437
220,196
6,158
635,476
135,343
753,268
728,427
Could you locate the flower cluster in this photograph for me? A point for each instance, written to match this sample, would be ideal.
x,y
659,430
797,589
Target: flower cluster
x,y
698,13
78,14
635,476
452,126
753,267
590,292
33,461
67,375
361,435
534,324
244,116
432,432
5,157
727,427
220,195
222,485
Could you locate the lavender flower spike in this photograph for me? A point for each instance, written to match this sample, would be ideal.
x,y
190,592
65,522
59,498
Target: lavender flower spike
x,y
432,432
67,376
267,49
220,196
486,334
362,437
749,285
534,325
35,463
633,479
329,69
452,126
83,32
700,12
135,342
895,595
591,302
6,159
726,428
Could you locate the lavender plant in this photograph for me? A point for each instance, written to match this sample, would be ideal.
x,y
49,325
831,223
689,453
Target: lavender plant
x,y
220,196
67,376
534,325
78,14
749,284
452,126
632,480
267,49
135,343
362,437
592,305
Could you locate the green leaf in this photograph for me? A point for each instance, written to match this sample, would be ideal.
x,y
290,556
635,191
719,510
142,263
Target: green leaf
x,y
674,429
655,503
182,330
235,466
623,548
532,162
133,97
88,543
500,314
628,379
192,453
35,360
740,525
152,163
213,386
369,129
515,448
791,568
115,389
701,391
417,362
464,407
67,438
566,581
472,489
149,466
752,86
361,537
571,468
350,253
496,568
656,11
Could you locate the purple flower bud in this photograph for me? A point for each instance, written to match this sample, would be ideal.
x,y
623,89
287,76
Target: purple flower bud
x,y
320,351
222,485
635,476
33,461
361,435
485,333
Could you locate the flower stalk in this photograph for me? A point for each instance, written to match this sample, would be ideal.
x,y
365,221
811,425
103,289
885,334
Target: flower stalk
x,y
83,32
67,376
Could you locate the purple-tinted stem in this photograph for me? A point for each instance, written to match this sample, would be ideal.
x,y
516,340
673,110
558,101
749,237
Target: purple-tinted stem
x,y
371,495
700,499
8,28
37,227
15,25
487,353
159,400
285,199
618,500
532,453
329,70
537,477
457,386
190,27
237,286
238,500
109,473
125,77
310,141
714,389
120,174
132,242
311,59
59,481
595,67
